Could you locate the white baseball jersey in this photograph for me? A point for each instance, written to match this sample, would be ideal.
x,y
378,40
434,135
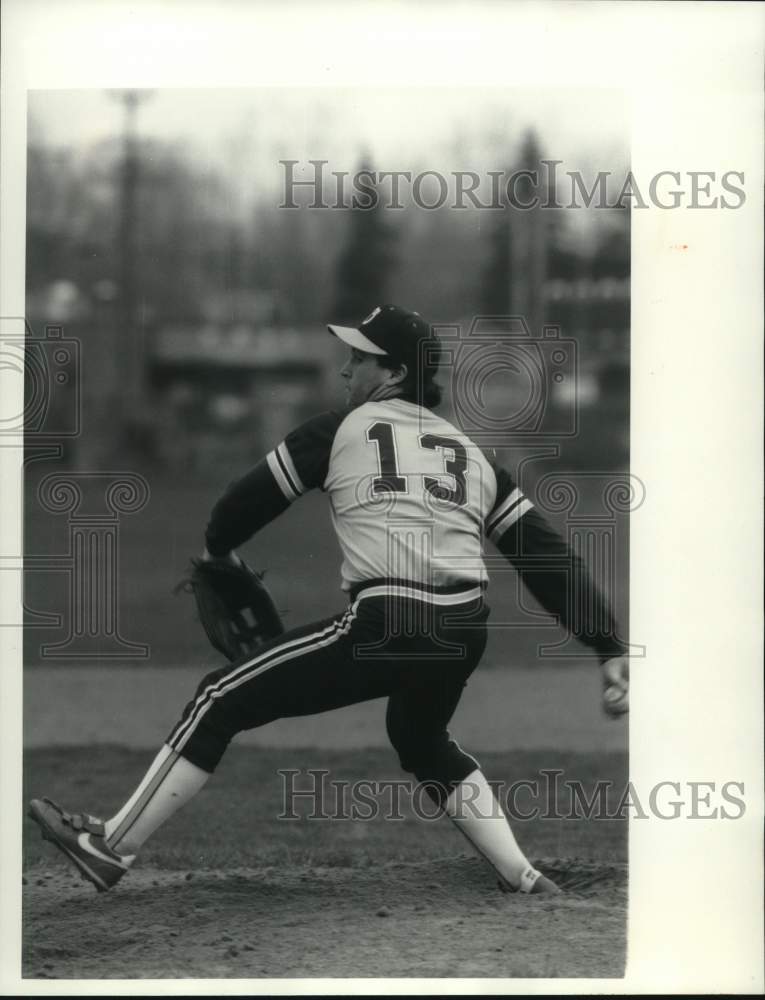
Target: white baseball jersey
x,y
409,495
412,500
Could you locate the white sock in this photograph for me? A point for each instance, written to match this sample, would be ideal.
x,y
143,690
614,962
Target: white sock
x,y
476,812
170,783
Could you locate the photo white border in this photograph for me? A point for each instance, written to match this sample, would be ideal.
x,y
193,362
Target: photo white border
x,y
694,72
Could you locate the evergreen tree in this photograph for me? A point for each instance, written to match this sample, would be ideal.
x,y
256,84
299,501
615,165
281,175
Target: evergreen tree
x,y
611,258
497,273
516,235
366,260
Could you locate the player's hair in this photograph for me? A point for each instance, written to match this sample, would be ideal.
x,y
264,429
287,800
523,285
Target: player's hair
x,y
427,394
424,391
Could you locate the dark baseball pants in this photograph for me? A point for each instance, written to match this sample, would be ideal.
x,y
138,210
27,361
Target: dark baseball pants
x,y
390,642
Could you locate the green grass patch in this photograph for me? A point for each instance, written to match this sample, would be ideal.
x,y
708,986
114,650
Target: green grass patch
x,y
298,550
234,821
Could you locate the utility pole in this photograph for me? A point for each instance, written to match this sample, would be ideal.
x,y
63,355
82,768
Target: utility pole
x,y
130,355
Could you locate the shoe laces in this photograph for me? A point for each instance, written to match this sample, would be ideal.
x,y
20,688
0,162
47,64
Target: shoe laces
x,y
79,821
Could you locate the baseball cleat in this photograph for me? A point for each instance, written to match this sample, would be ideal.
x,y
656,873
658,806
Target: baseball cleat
x,y
82,839
532,883
544,884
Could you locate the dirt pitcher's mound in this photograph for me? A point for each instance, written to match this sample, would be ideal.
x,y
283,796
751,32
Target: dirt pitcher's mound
x,y
431,919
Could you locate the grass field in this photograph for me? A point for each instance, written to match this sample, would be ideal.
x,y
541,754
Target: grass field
x,y
227,889
298,550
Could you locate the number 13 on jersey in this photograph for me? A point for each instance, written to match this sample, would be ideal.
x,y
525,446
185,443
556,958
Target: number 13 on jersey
x,y
382,434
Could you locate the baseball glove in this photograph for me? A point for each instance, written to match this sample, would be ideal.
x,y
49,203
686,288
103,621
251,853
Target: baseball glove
x,y
234,605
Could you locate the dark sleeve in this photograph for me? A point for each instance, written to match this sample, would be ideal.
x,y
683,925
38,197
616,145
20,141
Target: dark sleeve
x,y
550,569
299,463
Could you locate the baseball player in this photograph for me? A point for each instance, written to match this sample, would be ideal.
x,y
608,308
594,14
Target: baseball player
x,y
411,499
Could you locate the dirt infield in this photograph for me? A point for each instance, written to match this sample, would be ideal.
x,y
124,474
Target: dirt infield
x,y
431,919
230,888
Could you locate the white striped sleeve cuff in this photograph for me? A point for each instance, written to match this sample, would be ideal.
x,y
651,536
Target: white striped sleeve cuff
x,y
284,472
509,511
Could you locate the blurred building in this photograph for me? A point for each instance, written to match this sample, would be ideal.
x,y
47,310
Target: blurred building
x,y
193,316
595,312
223,394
